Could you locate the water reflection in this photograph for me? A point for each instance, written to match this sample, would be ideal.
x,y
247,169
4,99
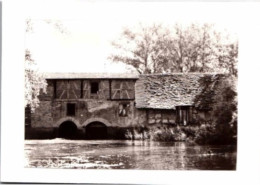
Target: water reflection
x,y
111,154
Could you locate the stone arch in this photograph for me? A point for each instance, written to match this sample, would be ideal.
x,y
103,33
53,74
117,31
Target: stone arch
x,y
68,118
101,120
96,130
68,130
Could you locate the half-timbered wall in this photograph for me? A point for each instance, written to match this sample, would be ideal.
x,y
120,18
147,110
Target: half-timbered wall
x,y
161,116
107,89
68,89
103,92
122,89
113,101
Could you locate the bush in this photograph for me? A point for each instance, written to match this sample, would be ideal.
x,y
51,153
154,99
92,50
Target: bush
x,y
223,128
165,133
137,134
215,134
204,134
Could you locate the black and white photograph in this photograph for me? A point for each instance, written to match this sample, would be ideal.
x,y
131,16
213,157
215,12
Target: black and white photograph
x,y
148,94
126,88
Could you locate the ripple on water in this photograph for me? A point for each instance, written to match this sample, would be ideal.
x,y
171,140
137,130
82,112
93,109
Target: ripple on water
x,y
111,154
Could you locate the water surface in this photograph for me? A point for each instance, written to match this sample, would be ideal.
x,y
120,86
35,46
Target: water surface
x,y
118,154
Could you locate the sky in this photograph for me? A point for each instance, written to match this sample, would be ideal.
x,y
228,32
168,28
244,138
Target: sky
x,y
93,26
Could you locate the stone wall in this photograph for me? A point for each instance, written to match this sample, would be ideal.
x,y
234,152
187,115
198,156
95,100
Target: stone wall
x,y
48,96
49,113
43,115
53,104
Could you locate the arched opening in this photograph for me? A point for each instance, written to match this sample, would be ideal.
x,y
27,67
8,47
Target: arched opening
x,y
68,130
96,130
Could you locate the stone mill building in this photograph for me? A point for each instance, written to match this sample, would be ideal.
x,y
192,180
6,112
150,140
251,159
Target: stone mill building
x,y
103,106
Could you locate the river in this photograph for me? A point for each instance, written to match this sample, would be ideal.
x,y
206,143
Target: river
x,y
118,154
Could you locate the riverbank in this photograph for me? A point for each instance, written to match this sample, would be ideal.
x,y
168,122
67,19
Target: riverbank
x,y
199,134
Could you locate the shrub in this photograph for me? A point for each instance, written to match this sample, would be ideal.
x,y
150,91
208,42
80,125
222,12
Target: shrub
x,y
214,134
204,134
138,133
166,133
129,134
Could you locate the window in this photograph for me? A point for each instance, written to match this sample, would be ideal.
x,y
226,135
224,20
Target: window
x,y
94,87
184,114
123,109
71,109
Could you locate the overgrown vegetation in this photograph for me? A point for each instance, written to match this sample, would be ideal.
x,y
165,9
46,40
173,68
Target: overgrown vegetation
x,y
220,98
34,80
200,134
179,48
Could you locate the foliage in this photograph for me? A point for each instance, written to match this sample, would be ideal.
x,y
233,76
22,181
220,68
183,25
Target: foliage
x,y
138,133
34,82
223,99
167,134
142,49
225,110
194,48
202,134
163,133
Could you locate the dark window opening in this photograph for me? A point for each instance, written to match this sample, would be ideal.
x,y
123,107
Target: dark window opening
x,y
184,114
71,109
123,109
94,87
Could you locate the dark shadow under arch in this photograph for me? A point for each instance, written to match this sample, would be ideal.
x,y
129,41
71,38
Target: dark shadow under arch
x,y
96,130
68,130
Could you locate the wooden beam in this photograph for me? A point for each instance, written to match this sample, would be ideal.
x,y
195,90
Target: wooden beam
x,y
54,89
110,89
81,88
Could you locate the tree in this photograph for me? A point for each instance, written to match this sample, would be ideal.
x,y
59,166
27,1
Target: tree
x,y
225,109
143,48
219,94
34,80
227,57
192,48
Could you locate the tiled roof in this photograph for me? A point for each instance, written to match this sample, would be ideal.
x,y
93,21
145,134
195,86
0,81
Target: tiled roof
x,y
166,91
90,76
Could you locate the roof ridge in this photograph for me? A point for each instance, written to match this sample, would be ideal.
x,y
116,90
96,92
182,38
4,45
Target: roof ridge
x,y
166,74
